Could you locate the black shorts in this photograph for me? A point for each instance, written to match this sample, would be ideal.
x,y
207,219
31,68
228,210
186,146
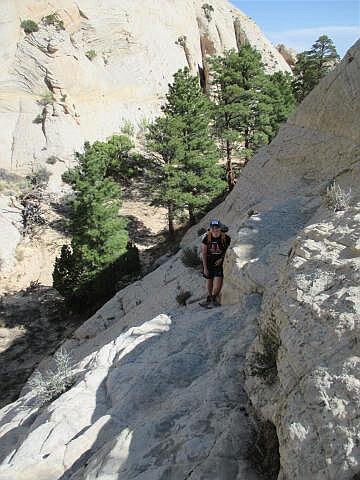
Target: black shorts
x,y
215,271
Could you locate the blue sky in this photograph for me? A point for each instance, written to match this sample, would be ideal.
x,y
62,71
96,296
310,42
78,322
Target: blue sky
x,y
298,23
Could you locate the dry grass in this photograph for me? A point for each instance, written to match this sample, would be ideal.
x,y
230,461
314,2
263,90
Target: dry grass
x,y
336,198
50,386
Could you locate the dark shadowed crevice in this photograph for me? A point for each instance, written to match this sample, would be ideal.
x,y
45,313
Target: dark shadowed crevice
x,y
201,77
263,451
207,49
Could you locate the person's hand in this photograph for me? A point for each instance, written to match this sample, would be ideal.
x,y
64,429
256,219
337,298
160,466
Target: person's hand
x,y
206,273
219,262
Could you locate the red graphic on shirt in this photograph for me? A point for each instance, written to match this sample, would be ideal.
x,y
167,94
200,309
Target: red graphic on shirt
x,y
215,249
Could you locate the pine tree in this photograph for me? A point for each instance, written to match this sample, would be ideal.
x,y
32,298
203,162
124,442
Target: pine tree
x,y
282,99
312,65
163,141
98,232
242,106
191,176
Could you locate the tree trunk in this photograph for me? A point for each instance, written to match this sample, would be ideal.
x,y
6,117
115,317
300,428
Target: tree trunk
x,y
229,170
247,143
171,221
192,220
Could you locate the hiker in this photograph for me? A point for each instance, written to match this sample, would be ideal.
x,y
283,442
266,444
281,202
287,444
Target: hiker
x,y
213,247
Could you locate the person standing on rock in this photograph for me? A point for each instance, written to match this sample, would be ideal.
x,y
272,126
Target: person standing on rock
x,y
213,248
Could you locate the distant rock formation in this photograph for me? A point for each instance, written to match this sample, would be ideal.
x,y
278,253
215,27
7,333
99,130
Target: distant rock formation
x,y
162,390
91,68
62,86
288,53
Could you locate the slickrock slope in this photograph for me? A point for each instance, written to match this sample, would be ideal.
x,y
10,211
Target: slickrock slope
x,y
163,391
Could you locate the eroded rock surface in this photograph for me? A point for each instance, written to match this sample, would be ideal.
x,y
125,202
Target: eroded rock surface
x,y
137,48
110,64
160,389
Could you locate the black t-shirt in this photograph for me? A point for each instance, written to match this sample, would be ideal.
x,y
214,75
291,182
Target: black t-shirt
x,y
217,248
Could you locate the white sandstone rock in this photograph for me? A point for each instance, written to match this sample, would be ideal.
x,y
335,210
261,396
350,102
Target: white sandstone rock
x,y
137,52
160,389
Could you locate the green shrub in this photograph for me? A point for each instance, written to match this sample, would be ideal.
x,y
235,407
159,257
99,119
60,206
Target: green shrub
x,y
53,19
50,386
46,98
123,165
39,118
190,258
263,364
91,54
128,128
182,297
143,125
102,286
29,26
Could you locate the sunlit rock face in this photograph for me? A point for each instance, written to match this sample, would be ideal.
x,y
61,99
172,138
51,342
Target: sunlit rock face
x,y
112,61
110,64
167,391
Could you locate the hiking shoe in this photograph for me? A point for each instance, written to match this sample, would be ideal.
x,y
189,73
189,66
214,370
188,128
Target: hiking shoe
x,y
207,302
215,302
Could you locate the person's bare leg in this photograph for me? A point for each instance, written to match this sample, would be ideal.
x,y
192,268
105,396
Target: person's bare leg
x,y
209,286
218,281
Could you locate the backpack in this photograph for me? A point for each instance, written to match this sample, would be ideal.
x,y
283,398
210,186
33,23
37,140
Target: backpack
x,y
222,239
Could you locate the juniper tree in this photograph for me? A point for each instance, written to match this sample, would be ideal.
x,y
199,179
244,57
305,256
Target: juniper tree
x,y
163,141
98,232
242,105
312,65
190,174
249,105
282,99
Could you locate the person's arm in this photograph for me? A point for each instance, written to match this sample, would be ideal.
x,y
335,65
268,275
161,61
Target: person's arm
x,y
204,259
219,262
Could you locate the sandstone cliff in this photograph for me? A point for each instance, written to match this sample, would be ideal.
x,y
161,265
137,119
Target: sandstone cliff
x,y
138,46
163,391
55,94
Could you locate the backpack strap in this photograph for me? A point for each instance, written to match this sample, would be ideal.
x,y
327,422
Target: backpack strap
x,y
223,239
208,240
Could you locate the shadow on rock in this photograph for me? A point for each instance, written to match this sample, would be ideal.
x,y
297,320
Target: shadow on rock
x,y
33,324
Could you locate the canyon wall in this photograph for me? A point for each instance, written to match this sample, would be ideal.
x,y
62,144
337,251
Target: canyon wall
x,y
268,383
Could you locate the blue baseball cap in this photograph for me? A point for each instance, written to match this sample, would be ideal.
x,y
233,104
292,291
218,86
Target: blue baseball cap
x,y
215,223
